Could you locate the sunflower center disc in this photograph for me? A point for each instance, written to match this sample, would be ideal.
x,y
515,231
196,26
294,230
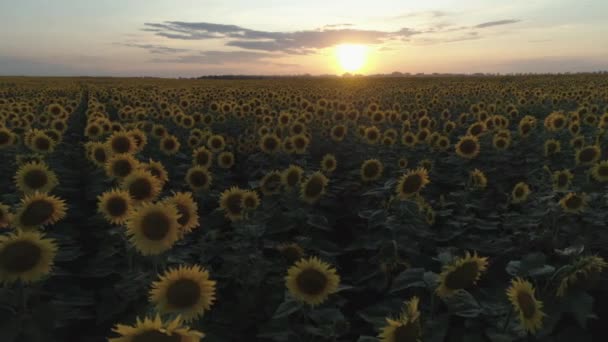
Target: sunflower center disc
x,y
468,147
587,155
198,179
574,202
412,184
527,304
406,333
156,336
234,203
462,277
202,158
37,213
292,178
122,168
100,155
311,281
121,145
314,187
155,226
4,138
35,179
185,214
370,170
116,206
140,189
183,293
20,257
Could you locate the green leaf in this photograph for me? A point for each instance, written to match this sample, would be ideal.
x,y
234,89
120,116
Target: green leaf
x,y
287,308
318,221
412,277
580,304
463,304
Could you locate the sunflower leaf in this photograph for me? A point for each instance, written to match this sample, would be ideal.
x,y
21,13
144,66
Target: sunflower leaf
x,y
412,277
463,304
287,308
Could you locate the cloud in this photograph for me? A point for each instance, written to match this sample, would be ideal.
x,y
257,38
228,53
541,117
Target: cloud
x,y
155,49
497,23
217,58
427,14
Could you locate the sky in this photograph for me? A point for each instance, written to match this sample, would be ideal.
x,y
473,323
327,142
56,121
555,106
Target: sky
x,y
186,38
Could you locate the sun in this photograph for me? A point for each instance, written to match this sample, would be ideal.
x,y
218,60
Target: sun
x,y
352,57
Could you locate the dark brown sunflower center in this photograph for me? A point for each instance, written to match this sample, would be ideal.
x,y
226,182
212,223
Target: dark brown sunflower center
x,y
155,225
116,206
184,212
37,212
371,170
314,187
270,144
140,189
121,144
233,203
216,143
183,293
525,128
552,147
501,143
562,180
156,336
372,135
5,138
468,146
603,171
412,184
574,202
199,179
122,168
526,304
338,131
100,155
587,155
93,130
519,192
407,333
169,144
291,253
299,143
35,179
20,256
293,178
227,160
462,277
202,158
311,281
329,163
42,143
558,123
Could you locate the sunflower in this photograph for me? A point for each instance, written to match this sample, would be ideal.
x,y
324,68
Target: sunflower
x,y
140,138
462,273
38,210
522,297
468,147
292,176
562,179
25,257
187,209
157,169
35,177
42,143
231,202
520,192
588,155
477,179
372,135
186,291
552,146
312,281
500,142
599,171
7,138
199,178
141,185
371,170
156,330
573,203
582,274
270,143
338,133
159,131
121,165
121,142
202,157
291,251
409,139
250,200
5,216
98,153
406,327
313,187
300,143
115,205
443,143
411,183
402,163
169,145
271,183
328,163
225,159
153,227
216,143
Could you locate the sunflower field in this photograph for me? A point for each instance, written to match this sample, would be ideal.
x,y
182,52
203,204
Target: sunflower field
x,y
304,209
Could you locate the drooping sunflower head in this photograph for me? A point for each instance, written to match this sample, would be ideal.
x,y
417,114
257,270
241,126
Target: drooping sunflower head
x,y
141,185
328,163
199,178
562,179
25,257
552,147
311,281
292,252
406,327
313,187
478,179
39,209
292,176
271,183
120,166
115,205
461,274
139,137
186,291
371,170
588,155
187,209
520,192
121,142
522,296
225,159
156,330
35,177
583,274
231,202
153,227
573,203
412,182
270,143
599,171
468,147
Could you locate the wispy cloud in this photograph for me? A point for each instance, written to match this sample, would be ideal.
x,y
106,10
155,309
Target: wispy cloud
x,y
497,23
155,48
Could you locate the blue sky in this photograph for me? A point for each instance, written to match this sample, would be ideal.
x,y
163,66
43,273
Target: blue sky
x,y
190,38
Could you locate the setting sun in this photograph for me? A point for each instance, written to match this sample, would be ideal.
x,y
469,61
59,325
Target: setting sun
x,y
351,57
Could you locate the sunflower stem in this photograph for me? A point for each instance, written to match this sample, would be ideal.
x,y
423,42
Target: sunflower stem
x,y
504,328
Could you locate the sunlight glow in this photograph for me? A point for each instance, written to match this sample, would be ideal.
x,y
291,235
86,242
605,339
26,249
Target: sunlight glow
x,y
351,57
